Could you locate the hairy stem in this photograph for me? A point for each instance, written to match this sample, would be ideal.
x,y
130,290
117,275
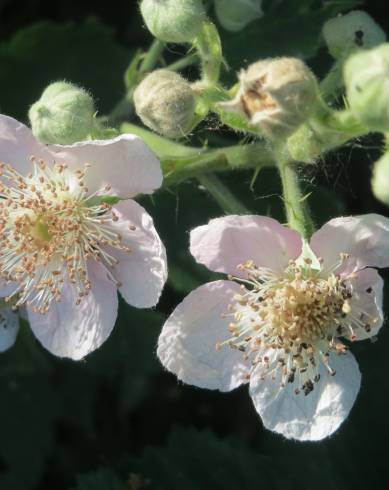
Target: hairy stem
x,y
209,49
296,206
180,162
123,108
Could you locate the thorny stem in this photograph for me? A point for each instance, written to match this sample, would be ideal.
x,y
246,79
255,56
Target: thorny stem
x,y
222,195
296,206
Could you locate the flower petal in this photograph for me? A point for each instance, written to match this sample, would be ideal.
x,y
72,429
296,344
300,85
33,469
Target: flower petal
x,y
365,238
186,346
226,242
366,303
17,145
9,326
143,271
68,330
6,289
312,417
125,163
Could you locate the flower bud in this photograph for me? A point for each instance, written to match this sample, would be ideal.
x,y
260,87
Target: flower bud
x,y
367,87
173,21
275,95
350,32
234,16
165,103
380,180
64,114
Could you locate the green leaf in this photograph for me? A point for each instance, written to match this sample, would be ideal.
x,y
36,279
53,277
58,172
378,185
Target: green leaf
x,y
103,479
194,460
46,52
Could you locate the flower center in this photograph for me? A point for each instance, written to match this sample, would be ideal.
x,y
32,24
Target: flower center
x,y
50,228
291,322
40,231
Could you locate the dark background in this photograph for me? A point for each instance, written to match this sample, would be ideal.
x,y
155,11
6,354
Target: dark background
x,y
116,420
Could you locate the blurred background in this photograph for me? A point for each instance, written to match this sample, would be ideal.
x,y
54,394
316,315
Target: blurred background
x,y
116,420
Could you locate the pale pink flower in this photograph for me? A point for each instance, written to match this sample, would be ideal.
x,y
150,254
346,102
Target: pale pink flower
x,y
64,251
283,319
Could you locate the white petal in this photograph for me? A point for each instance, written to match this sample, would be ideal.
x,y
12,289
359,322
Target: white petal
x,y
17,145
9,327
186,346
226,242
365,238
143,271
126,163
6,289
68,330
366,303
312,417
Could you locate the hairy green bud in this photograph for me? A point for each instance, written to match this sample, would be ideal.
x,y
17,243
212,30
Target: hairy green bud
x,y
380,180
350,32
235,15
367,87
173,21
165,103
64,114
275,95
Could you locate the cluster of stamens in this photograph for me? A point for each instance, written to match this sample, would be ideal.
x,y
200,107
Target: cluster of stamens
x,y
290,324
50,226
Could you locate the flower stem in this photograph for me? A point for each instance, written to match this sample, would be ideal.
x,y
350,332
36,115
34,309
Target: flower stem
x,y
222,195
152,56
296,206
180,162
209,49
122,109
188,60
332,83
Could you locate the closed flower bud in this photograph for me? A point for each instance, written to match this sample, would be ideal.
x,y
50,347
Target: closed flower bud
x,y
64,114
173,21
350,32
367,87
165,103
380,181
275,95
235,15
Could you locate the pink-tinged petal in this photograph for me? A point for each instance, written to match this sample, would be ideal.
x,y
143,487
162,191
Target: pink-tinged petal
x,y
17,145
9,327
143,271
312,417
68,330
125,163
226,242
365,238
186,346
366,303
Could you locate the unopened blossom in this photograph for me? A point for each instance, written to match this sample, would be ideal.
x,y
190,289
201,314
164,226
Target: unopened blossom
x,y
64,250
284,319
